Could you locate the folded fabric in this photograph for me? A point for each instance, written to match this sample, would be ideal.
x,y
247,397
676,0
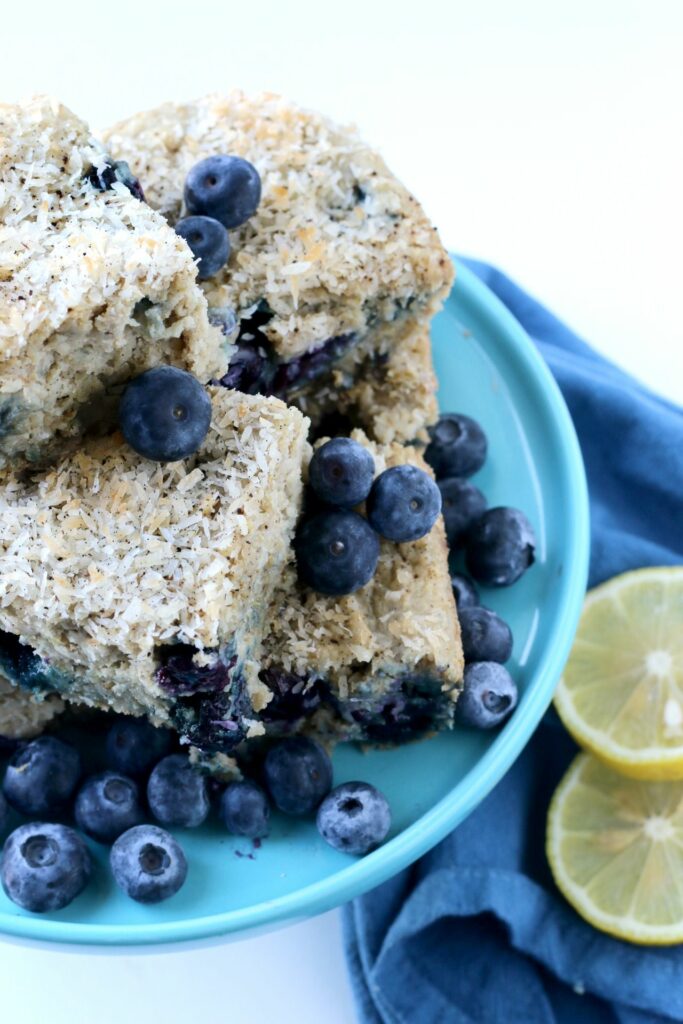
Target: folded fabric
x,y
476,932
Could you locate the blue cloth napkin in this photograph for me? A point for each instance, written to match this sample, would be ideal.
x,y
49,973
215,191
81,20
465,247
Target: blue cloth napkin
x,y
475,932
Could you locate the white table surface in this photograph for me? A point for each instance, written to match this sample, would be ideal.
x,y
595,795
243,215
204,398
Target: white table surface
x,y
543,137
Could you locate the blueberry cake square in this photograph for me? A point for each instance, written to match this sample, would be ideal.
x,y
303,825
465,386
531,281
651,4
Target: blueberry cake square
x,y
384,664
335,268
143,587
94,285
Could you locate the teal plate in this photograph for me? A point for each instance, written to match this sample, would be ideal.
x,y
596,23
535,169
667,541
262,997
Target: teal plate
x,y
488,368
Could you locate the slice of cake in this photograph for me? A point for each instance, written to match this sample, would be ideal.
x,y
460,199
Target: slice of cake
x,y
384,664
337,259
94,285
143,587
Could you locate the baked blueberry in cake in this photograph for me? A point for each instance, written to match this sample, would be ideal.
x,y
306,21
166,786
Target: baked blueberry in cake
x,y
94,285
141,586
390,394
333,263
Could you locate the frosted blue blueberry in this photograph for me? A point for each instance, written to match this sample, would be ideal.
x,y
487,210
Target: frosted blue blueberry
x,y
461,504
44,866
464,591
488,697
42,776
500,547
148,864
354,818
485,636
107,804
458,446
177,792
133,746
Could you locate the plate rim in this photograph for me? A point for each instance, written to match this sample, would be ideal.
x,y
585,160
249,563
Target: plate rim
x,y
442,818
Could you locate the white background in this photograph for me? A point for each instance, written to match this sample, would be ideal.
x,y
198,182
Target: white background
x,y
543,136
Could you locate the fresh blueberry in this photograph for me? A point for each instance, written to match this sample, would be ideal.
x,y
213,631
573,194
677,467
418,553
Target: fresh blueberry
x,y
44,867
485,636
41,776
209,242
225,187
165,414
148,864
461,503
4,813
298,775
354,818
244,809
489,695
177,793
500,547
336,552
341,472
107,804
458,446
464,591
133,746
404,503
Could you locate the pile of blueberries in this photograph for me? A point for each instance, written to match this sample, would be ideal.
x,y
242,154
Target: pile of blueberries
x,y
46,863
337,548
498,545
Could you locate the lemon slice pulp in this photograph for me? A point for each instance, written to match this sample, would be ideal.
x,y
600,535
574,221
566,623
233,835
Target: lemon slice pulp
x,y
615,847
621,695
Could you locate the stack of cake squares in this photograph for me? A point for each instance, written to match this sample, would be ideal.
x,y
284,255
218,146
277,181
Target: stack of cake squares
x,y
170,590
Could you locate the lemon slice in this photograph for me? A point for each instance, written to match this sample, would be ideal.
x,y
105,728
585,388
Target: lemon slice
x,y
621,694
615,847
